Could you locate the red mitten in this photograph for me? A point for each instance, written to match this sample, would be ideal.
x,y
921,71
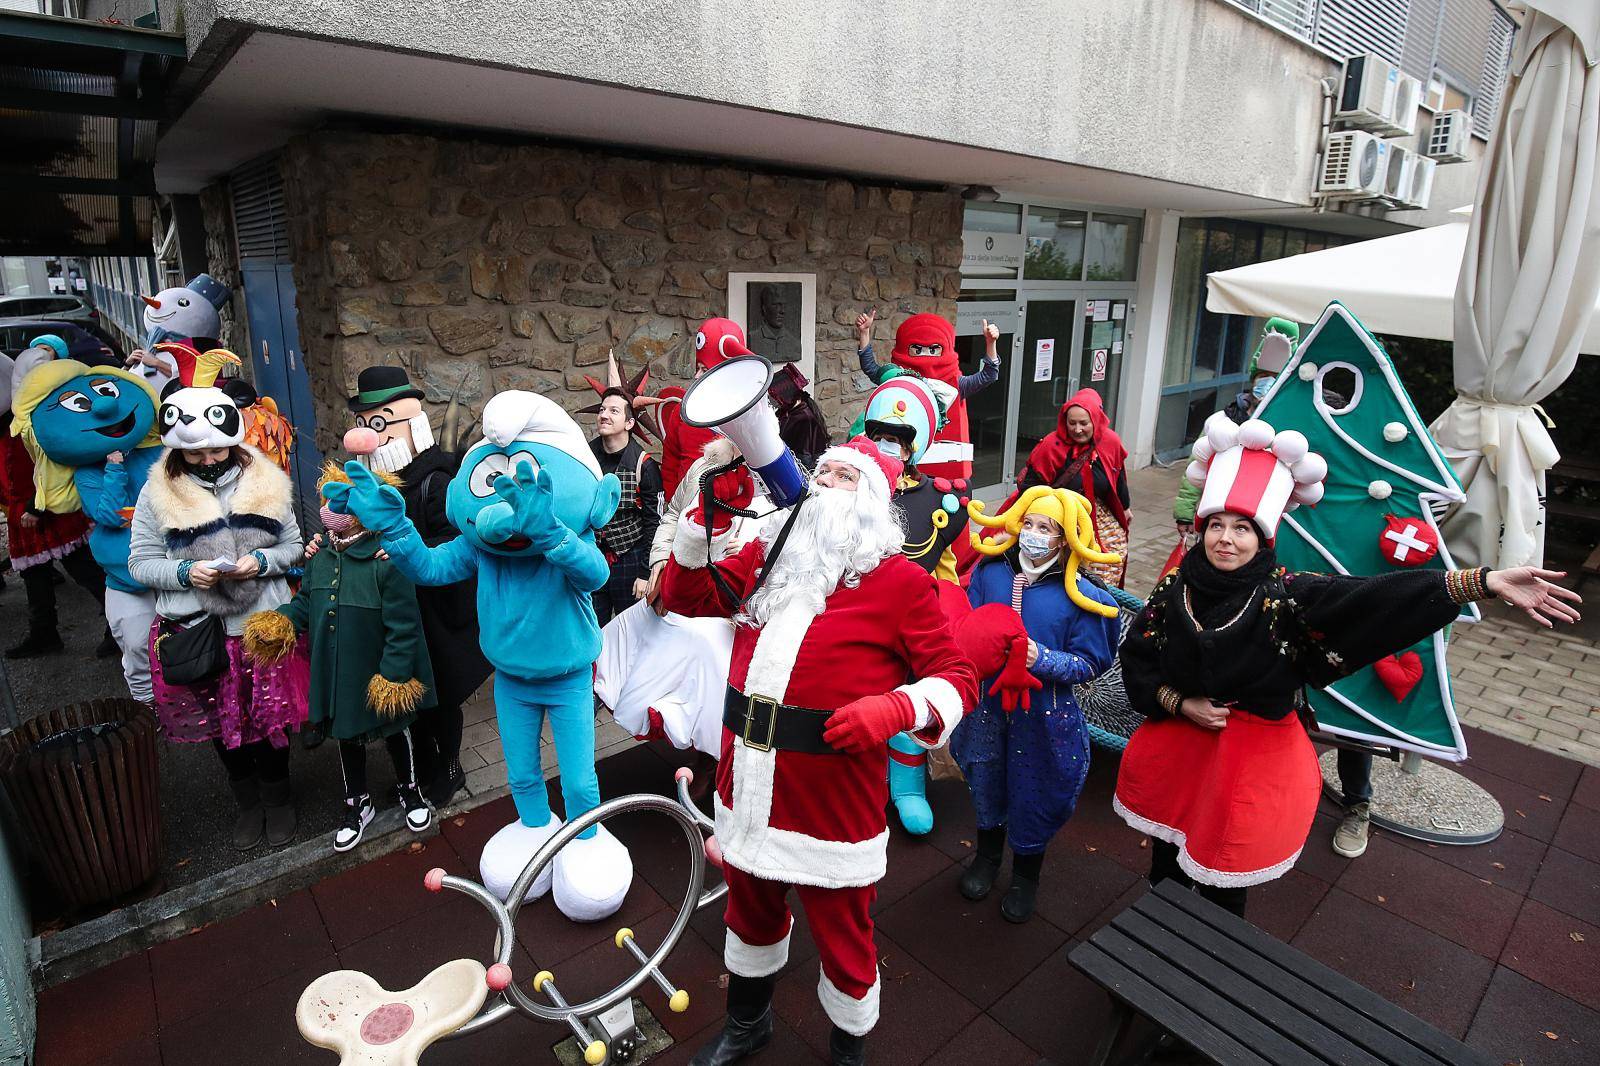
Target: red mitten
x,y
1015,683
869,722
985,636
735,488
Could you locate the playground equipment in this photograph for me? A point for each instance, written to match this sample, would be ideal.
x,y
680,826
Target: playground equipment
x,y
348,1012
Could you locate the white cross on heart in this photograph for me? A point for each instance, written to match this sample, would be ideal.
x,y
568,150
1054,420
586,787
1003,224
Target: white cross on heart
x,y
1405,540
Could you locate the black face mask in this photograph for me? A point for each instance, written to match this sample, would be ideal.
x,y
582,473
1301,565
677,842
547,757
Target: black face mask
x,y
211,473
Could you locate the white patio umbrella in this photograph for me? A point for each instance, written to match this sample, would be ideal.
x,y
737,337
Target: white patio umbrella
x,y
1529,280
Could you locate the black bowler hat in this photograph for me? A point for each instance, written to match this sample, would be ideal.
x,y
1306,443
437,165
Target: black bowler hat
x,y
378,385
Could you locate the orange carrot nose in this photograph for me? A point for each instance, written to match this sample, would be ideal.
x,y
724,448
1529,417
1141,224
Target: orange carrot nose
x,y
151,300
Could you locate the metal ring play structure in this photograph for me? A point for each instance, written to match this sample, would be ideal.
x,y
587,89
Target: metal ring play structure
x,y
1105,705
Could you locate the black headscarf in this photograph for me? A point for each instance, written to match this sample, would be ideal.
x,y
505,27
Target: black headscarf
x,y
1218,595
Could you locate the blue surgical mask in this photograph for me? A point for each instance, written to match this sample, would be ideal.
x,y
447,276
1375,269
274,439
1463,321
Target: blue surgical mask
x,y
1034,544
1262,387
892,449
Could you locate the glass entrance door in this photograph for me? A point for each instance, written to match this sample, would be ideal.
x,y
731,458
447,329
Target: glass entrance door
x,y
1043,373
1105,335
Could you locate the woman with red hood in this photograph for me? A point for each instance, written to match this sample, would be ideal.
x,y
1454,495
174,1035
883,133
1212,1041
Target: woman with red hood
x,y
1085,454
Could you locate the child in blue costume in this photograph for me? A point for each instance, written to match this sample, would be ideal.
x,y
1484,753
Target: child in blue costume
x,y
92,434
527,501
1026,766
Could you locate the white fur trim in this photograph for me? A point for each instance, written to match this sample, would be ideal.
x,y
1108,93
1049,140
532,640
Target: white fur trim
x,y
869,468
719,451
1203,874
854,1016
515,415
756,960
794,858
935,694
689,544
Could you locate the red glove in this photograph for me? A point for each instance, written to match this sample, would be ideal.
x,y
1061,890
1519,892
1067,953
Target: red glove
x,y
986,635
868,723
735,488
1015,683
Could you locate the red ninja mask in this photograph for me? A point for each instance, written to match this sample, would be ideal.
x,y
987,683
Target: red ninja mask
x,y
924,332
718,339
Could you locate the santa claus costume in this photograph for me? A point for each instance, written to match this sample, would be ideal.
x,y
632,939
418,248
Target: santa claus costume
x,y
1230,805
828,633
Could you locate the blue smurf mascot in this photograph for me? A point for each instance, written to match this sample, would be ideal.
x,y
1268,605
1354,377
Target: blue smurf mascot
x,y
527,501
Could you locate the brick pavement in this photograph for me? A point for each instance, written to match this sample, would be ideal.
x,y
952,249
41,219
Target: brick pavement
x,y
1540,687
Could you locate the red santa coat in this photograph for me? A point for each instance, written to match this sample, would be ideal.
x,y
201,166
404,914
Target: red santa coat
x,y
55,535
806,819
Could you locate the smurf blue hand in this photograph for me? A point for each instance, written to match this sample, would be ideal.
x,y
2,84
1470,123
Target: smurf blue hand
x,y
532,499
377,506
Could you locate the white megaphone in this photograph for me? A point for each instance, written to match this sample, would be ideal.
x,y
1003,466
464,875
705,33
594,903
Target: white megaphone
x,y
731,398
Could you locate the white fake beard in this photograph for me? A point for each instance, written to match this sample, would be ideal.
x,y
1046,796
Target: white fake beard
x,y
395,456
839,536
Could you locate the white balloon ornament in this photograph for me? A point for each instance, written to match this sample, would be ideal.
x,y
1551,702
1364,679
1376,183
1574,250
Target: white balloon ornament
x,y
1308,494
1308,371
1221,433
1395,432
1196,472
1380,490
1202,451
1290,446
1311,468
1255,434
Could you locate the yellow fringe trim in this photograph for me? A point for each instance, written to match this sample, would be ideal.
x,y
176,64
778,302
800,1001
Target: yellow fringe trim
x,y
269,637
391,699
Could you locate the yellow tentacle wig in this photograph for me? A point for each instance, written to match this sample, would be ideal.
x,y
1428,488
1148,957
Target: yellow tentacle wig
x,y
1077,525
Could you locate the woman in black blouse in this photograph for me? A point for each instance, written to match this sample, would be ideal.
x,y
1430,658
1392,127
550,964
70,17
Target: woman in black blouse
x,y
1222,775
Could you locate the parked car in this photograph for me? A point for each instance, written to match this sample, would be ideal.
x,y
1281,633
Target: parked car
x,y
86,342
58,307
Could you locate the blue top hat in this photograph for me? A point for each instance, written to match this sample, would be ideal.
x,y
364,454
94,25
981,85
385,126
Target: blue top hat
x,y
214,291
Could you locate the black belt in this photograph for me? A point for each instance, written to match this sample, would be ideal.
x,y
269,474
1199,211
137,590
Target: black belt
x,y
765,724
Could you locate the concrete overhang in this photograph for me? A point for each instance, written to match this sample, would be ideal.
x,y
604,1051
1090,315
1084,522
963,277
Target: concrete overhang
x,y
272,86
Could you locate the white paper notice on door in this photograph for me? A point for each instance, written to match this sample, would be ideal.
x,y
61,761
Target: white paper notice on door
x,y
1119,310
1101,310
1097,369
1044,359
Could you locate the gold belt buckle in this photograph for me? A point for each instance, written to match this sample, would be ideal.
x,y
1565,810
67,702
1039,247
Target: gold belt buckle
x,y
750,720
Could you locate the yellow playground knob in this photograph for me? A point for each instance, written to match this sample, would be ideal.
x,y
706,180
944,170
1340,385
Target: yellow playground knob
x,y
595,1053
623,934
679,1002
540,978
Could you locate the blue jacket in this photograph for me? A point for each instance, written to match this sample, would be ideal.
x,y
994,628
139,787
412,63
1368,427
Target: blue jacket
x,y
535,618
105,490
1074,645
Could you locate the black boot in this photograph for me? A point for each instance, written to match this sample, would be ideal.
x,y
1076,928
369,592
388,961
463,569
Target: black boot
x,y
39,642
312,735
279,813
749,1025
248,829
1017,906
846,1050
446,784
985,865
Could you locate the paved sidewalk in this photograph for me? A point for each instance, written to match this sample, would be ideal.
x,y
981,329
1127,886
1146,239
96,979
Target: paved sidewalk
x,y
1510,677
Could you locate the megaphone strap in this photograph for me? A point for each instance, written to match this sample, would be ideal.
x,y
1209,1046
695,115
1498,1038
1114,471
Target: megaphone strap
x,y
725,587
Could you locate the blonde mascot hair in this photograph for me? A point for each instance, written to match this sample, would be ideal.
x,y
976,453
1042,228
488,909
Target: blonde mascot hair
x,y
1071,512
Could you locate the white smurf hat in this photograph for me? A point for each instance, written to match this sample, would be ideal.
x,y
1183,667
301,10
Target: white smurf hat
x,y
516,415
1252,470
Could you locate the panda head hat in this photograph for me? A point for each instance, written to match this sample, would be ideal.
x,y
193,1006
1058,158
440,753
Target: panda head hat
x,y
199,418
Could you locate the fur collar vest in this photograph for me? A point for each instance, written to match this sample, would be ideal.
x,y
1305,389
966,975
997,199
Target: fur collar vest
x,y
201,524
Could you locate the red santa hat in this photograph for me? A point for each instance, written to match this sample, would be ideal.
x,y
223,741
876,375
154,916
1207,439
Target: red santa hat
x,y
1254,471
718,339
876,469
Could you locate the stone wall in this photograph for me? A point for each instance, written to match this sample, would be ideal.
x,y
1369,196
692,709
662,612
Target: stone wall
x,y
222,257
488,266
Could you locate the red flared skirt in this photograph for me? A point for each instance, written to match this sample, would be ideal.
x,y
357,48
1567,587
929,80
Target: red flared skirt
x,y
1238,802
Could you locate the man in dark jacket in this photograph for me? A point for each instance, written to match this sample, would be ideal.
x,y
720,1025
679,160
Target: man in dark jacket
x,y
392,433
627,537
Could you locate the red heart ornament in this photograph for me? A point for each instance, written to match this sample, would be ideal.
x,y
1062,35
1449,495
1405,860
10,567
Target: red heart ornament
x,y
1399,673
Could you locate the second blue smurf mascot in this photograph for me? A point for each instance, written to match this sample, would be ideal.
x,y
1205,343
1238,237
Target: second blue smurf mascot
x,y
527,500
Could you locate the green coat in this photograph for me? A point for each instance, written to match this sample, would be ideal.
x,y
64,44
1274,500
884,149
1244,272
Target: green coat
x,y
361,617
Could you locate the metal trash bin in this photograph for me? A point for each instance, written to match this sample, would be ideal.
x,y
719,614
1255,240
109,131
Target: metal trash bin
x,y
85,782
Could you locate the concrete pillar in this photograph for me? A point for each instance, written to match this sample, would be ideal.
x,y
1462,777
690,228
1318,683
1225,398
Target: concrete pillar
x,y
1141,374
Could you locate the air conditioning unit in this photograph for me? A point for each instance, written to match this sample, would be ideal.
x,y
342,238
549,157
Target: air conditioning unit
x,y
1398,171
1447,140
1354,166
1421,182
1407,98
1369,92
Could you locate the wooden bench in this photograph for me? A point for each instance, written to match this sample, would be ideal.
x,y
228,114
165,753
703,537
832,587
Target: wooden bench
x,y
1584,471
1235,994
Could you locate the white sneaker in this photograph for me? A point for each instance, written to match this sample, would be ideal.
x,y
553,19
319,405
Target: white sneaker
x,y
418,814
592,877
508,853
357,816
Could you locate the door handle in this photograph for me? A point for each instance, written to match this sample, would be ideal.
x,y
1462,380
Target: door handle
x,y
266,354
291,359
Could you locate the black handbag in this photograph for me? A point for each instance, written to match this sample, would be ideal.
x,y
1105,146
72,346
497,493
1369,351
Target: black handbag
x,y
190,656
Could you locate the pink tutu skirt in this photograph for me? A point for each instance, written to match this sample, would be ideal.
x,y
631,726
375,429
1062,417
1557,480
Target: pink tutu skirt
x,y
244,704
